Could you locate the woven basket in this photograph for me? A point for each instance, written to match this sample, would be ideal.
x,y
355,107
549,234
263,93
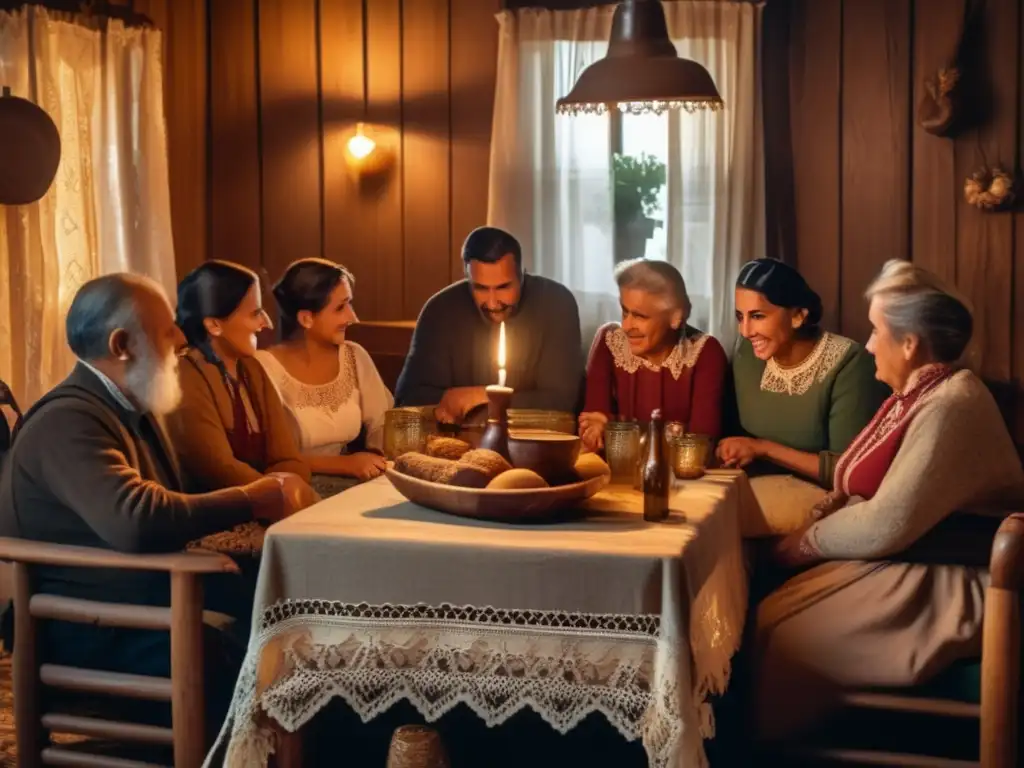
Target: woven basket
x,y
417,746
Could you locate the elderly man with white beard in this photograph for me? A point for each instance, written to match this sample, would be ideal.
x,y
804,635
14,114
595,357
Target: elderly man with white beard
x,y
90,465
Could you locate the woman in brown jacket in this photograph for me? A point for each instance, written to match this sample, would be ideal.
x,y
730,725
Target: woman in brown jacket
x,y
231,427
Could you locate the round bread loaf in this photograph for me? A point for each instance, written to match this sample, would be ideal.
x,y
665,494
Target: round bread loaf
x,y
517,479
590,465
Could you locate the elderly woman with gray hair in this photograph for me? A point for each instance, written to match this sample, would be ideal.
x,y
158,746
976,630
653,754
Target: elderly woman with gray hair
x,y
653,359
865,613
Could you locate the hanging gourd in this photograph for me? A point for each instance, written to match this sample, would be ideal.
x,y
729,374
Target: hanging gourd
x,y
940,110
29,150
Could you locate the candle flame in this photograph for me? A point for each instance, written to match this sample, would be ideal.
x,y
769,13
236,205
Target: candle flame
x,y
501,355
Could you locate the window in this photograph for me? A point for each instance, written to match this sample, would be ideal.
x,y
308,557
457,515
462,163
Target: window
x,y
682,214
638,136
684,203
583,169
551,179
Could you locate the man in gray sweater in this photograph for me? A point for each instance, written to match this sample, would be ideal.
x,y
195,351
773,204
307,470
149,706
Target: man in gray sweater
x,y
454,349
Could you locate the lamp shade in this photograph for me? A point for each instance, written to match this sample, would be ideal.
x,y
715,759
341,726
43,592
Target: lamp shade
x,y
643,72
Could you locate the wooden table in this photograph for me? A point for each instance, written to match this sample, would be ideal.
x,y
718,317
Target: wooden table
x,y
373,599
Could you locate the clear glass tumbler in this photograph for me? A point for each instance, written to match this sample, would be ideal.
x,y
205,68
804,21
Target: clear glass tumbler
x,y
689,455
622,450
405,430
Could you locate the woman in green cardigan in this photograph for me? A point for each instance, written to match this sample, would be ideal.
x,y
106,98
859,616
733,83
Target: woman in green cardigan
x,y
802,394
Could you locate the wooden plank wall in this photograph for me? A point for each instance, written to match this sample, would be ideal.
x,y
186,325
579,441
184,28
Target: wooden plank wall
x,y
262,96
868,184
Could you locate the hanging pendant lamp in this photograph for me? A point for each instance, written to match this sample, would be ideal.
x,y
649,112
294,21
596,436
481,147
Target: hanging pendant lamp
x,y
642,73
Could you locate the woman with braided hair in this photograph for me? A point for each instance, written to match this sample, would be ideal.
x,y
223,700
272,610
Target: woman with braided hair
x,y
231,427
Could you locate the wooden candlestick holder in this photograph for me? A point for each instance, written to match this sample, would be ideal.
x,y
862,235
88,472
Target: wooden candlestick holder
x,y
495,435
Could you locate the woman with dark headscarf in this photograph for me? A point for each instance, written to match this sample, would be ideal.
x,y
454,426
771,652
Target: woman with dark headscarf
x,y
802,394
231,427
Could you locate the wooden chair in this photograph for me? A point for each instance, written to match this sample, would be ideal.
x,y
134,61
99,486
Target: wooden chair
x,y
7,401
998,713
184,620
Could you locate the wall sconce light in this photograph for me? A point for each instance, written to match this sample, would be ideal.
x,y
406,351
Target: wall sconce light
x,y
370,155
360,146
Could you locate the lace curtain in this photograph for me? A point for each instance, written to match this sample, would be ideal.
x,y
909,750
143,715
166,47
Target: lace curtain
x,y
108,209
550,181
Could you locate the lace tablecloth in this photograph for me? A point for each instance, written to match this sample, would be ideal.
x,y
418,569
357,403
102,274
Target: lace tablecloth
x,y
373,599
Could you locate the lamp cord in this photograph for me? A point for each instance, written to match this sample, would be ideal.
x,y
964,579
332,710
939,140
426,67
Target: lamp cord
x,y
366,61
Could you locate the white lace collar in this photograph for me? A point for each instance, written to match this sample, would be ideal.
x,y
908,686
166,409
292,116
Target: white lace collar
x,y
329,397
684,354
816,367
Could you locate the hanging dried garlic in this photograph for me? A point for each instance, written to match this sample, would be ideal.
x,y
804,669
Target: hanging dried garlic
x,y
989,189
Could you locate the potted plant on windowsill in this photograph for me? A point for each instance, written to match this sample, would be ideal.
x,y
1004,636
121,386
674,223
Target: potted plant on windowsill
x,y
637,182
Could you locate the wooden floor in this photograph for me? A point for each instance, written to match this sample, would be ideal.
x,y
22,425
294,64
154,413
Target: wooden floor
x,y
8,743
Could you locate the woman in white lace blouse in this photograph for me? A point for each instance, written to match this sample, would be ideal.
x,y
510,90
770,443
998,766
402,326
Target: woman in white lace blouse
x,y
329,386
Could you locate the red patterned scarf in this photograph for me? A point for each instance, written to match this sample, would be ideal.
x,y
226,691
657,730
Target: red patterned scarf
x,y
861,469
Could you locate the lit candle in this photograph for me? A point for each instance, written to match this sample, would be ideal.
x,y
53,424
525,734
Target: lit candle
x,y
501,355
499,397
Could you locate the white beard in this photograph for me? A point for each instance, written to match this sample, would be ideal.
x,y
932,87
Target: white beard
x,y
153,382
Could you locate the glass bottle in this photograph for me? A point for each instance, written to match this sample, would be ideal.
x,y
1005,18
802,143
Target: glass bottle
x,y
654,474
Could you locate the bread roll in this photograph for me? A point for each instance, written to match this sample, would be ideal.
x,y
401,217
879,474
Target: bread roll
x,y
515,479
590,465
468,476
487,461
447,447
425,467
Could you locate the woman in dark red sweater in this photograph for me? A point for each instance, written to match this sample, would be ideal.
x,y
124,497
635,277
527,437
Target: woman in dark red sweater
x,y
653,359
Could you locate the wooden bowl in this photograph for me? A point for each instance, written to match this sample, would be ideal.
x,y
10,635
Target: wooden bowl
x,y
534,418
519,419
518,505
550,454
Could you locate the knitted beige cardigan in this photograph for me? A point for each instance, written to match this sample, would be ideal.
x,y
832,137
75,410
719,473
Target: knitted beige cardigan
x,y
956,453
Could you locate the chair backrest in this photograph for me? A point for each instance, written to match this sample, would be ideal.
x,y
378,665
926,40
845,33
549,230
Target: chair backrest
x,y
183,619
7,400
7,431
